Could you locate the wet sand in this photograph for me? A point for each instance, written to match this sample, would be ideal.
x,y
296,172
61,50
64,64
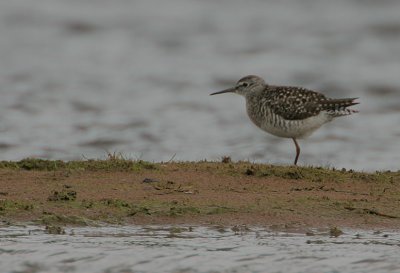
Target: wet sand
x,y
121,191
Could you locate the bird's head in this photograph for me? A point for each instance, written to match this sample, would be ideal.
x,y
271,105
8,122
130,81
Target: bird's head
x,y
245,86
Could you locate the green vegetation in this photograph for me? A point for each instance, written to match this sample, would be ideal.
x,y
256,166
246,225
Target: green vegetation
x,y
158,208
335,232
11,206
54,229
310,173
106,210
314,174
226,167
111,164
49,218
64,195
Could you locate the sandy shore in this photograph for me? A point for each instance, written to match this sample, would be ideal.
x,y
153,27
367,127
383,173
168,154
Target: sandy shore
x,y
121,191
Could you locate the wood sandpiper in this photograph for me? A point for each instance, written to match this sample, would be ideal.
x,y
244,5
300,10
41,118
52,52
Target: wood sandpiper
x,y
288,111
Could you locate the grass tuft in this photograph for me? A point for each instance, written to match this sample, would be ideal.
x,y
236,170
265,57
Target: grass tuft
x,y
113,163
12,206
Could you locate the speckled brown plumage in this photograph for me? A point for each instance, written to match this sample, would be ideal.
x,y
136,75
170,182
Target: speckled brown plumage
x,y
296,103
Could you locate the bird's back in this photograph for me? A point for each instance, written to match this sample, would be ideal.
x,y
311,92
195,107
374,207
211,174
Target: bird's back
x,y
296,103
293,111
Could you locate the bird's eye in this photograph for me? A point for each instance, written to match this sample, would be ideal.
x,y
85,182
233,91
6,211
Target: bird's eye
x,y
245,84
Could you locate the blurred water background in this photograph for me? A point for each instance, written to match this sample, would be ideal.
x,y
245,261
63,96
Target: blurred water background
x,y
79,78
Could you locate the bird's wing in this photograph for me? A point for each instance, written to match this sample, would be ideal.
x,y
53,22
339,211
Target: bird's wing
x,y
293,103
338,107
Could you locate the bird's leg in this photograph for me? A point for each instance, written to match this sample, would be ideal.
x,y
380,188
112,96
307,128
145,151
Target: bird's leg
x,y
297,151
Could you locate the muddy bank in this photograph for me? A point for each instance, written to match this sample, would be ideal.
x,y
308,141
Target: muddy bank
x,y
122,191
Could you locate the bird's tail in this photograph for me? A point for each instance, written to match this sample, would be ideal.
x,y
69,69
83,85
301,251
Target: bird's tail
x,y
338,107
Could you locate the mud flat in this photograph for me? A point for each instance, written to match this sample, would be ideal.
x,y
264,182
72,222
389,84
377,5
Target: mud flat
x,y
119,191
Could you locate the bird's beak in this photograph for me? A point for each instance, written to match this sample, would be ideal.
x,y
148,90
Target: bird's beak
x,y
229,90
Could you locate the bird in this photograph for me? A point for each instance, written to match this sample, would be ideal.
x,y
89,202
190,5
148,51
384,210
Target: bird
x,y
288,111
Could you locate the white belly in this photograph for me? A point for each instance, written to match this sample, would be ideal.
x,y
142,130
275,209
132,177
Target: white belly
x,y
294,128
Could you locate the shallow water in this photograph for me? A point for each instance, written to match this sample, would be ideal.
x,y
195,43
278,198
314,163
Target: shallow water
x,y
195,249
80,78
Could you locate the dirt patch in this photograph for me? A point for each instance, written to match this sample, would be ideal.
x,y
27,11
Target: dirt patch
x,y
136,192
